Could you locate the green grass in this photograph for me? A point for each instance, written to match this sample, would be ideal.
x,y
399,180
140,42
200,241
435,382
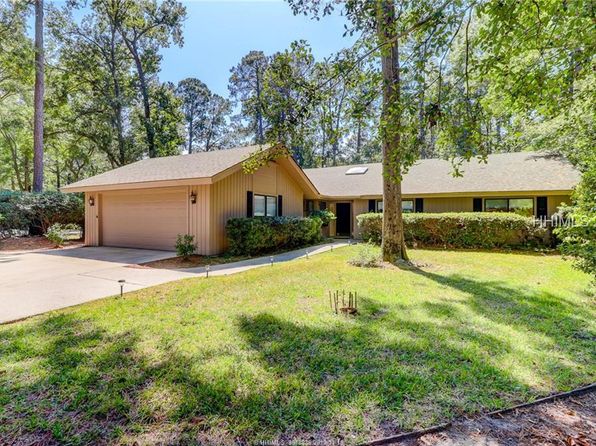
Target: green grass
x,y
260,356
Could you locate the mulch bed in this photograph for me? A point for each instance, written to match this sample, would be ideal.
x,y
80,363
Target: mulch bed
x,y
192,261
565,422
32,243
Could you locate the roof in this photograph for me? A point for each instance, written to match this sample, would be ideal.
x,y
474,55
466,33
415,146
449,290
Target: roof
x,y
201,165
504,172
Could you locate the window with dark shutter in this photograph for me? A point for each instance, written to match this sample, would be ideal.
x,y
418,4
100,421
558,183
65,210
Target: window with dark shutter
x,y
249,203
280,206
477,206
372,205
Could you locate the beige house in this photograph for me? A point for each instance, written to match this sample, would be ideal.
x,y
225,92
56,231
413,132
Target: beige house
x,y
148,203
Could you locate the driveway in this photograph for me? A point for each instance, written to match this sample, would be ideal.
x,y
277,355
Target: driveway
x,y
35,282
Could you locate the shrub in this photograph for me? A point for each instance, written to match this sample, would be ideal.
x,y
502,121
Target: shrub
x,y
325,215
58,232
248,236
461,230
185,245
36,212
367,256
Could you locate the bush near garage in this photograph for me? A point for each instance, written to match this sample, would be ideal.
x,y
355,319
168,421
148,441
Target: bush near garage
x,y
33,213
461,230
258,235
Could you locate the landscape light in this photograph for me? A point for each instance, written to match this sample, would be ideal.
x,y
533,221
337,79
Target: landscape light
x,y
121,282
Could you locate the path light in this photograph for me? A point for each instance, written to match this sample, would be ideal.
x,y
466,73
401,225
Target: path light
x,y
271,260
121,282
307,253
207,269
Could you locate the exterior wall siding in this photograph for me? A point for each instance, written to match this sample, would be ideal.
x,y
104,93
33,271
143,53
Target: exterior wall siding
x,y
554,201
450,204
358,207
92,219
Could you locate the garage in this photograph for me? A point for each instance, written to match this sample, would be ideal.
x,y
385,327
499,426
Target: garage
x,y
149,218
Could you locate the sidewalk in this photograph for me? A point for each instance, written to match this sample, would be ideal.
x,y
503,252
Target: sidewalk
x,y
244,265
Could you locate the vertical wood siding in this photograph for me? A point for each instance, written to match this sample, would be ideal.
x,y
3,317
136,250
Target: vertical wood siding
x,y
449,204
91,220
358,207
198,218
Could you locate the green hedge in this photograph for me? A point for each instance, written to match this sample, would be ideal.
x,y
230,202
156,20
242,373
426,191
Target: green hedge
x,y
249,236
36,212
461,230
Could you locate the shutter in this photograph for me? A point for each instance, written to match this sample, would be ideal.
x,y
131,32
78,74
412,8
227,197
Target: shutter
x,y
372,205
249,202
280,207
419,205
477,206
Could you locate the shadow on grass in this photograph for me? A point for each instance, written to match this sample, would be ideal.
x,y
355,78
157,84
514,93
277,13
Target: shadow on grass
x,y
65,380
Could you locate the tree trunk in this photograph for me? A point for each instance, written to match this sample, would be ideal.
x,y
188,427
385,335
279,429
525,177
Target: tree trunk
x,y
190,131
260,136
38,100
393,246
149,130
117,103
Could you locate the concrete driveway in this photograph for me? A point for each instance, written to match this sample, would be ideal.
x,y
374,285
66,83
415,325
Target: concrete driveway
x,y
35,282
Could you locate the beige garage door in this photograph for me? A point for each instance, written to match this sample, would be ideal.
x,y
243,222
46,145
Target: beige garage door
x,y
143,218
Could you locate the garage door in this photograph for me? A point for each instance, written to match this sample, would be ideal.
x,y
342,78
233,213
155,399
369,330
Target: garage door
x,y
149,218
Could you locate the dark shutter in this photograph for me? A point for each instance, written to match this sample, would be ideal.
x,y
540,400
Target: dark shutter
x,y
419,205
477,205
372,205
541,207
249,203
280,206
322,205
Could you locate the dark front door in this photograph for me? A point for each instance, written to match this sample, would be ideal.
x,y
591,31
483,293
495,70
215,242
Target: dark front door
x,y
541,207
343,212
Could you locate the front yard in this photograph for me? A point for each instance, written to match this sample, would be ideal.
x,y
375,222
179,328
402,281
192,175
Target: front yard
x,y
260,355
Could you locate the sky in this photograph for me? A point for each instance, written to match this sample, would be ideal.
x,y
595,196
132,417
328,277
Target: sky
x,y
218,33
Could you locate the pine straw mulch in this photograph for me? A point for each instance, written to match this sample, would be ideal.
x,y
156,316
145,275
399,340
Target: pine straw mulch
x,y
565,422
32,243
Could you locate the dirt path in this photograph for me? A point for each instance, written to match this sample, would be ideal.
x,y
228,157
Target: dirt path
x,y
568,422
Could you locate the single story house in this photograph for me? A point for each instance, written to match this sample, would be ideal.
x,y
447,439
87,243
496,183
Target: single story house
x,y
148,203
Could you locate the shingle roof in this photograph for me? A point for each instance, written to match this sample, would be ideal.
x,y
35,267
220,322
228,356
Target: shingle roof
x,y
179,167
505,172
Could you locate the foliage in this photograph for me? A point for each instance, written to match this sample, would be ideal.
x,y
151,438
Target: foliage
x,y
257,235
461,230
579,240
185,245
325,215
58,233
259,357
36,212
367,256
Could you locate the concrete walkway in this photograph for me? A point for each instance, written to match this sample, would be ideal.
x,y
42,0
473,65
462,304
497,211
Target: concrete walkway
x,y
32,283
244,265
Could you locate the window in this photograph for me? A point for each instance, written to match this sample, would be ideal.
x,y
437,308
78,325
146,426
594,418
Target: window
x,y
265,206
407,206
522,206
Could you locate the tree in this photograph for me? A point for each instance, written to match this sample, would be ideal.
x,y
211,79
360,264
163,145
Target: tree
x,y
146,26
168,119
195,96
38,100
395,37
246,86
213,129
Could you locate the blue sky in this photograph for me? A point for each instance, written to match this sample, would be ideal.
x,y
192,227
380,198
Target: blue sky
x,y
218,33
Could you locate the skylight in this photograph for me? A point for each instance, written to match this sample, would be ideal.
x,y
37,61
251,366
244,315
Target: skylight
x,y
360,170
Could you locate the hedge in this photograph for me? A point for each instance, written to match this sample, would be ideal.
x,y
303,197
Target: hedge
x,y
461,230
258,235
36,212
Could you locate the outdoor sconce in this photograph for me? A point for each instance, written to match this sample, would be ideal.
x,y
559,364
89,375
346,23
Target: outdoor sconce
x,y
91,201
193,197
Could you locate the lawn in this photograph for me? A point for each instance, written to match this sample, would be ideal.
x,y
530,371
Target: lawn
x,y
260,355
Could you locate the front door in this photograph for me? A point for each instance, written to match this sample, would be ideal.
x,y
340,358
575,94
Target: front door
x,y
343,223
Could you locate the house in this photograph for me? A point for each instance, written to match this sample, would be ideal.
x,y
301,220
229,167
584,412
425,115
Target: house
x,y
528,183
148,203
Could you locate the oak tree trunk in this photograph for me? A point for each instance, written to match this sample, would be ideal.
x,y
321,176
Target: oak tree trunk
x,y
393,246
38,100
